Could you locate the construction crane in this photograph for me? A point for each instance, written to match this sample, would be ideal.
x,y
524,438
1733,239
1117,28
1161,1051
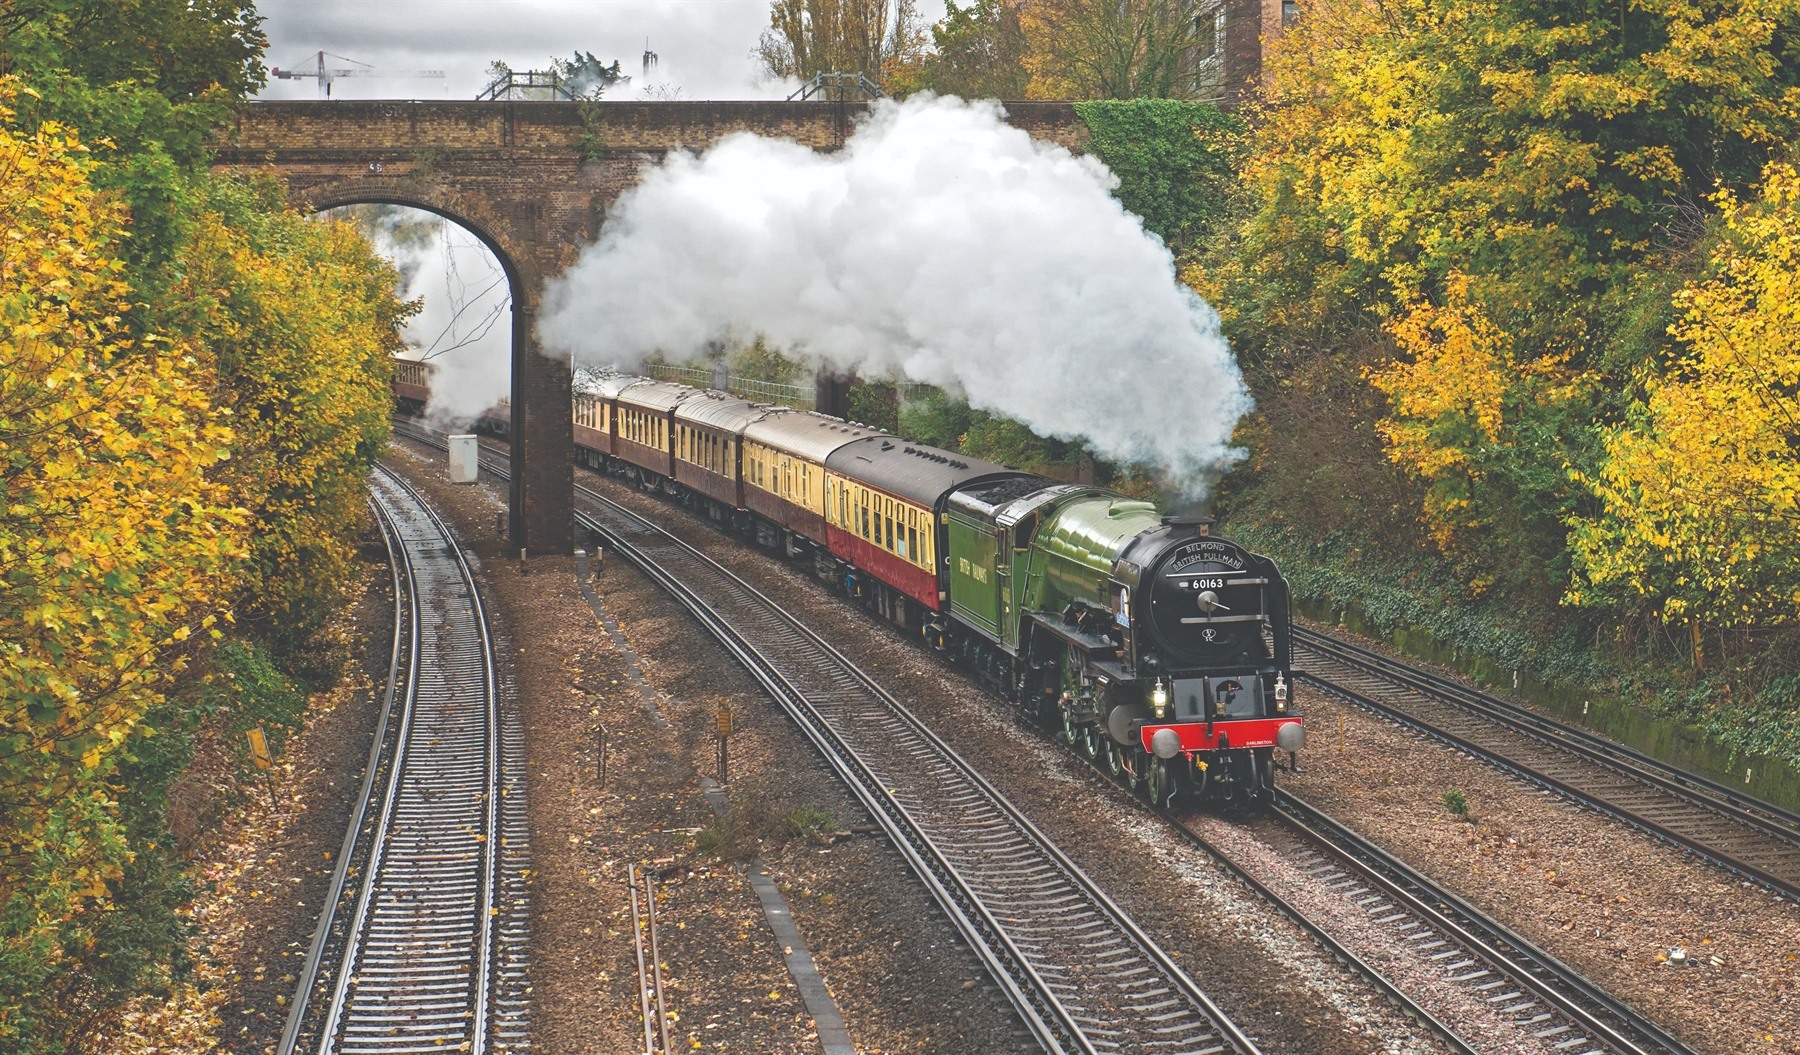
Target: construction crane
x,y
327,74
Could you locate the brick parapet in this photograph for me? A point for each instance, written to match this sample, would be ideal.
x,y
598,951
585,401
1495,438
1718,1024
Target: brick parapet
x,y
392,129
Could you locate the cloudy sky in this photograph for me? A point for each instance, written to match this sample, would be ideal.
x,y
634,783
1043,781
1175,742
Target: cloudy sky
x,y
703,45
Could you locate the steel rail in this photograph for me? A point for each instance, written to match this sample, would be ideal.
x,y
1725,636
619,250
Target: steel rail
x,y
1023,967
646,1013
1648,794
1585,1006
416,968
653,1003
404,620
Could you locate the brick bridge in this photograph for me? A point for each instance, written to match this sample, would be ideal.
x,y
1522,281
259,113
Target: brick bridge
x,y
532,180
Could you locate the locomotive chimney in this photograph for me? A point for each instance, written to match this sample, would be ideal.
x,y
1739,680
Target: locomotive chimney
x,y
1200,526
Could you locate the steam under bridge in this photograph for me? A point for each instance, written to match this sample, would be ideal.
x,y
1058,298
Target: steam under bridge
x,y
533,181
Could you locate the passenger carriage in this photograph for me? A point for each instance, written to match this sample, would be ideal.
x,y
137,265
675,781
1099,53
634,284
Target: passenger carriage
x,y
707,443
885,500
412,385
593,419
784,474
643,429
602,395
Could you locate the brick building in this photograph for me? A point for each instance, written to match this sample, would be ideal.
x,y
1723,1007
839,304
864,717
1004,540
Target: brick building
x,y
1233,37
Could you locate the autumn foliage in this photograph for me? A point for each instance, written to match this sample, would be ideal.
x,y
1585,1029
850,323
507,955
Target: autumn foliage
x,y
298,322
1701,486
186,422
1514,284
116,545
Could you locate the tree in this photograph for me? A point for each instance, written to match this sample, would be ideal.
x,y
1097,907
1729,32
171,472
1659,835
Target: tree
x,y
116,545
298,320
1464,407
182,50
1406,140
1502,188
1700,490
1112,49
978,52
809,37
581,77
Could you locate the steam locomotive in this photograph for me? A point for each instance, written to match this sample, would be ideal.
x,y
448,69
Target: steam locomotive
x,y
1145,642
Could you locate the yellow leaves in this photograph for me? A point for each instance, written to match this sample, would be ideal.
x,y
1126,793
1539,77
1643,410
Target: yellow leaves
x,y
1702,490
97,451
1449,399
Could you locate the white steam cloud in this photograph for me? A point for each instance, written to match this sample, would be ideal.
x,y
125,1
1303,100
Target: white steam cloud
x,y
940,245
464,327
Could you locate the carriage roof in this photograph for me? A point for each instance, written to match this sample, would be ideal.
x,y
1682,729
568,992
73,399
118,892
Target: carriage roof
x,y
912,471
657,396
716,410
806,435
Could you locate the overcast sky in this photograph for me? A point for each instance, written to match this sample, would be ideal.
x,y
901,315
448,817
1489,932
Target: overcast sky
x,y
703,45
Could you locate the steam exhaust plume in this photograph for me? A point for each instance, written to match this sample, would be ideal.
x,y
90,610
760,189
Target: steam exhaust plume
x,y
940,245
463,327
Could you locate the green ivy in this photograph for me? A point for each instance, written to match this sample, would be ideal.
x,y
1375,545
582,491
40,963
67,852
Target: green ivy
x,y
1175,161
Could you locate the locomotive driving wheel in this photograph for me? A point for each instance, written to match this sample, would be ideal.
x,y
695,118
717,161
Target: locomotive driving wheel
x,y
1115,758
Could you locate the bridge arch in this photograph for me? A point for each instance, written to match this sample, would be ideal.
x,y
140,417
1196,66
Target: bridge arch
x,y
473,215
541,462
532,180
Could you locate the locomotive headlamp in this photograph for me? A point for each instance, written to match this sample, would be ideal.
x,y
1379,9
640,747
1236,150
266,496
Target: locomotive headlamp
x,y
1159,700
1280,692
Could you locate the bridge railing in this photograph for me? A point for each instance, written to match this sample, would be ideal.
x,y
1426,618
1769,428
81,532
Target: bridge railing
x,y
800,396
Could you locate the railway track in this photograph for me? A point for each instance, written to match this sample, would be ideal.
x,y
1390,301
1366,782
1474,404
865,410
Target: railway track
x,y
1082,975
1752,839
653,1004
1547,1004
1512,981
421,945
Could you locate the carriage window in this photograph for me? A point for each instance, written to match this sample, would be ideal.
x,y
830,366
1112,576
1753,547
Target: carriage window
x,y
912,541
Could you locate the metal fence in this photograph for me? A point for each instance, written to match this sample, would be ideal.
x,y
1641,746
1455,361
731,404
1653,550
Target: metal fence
x,y
800,396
